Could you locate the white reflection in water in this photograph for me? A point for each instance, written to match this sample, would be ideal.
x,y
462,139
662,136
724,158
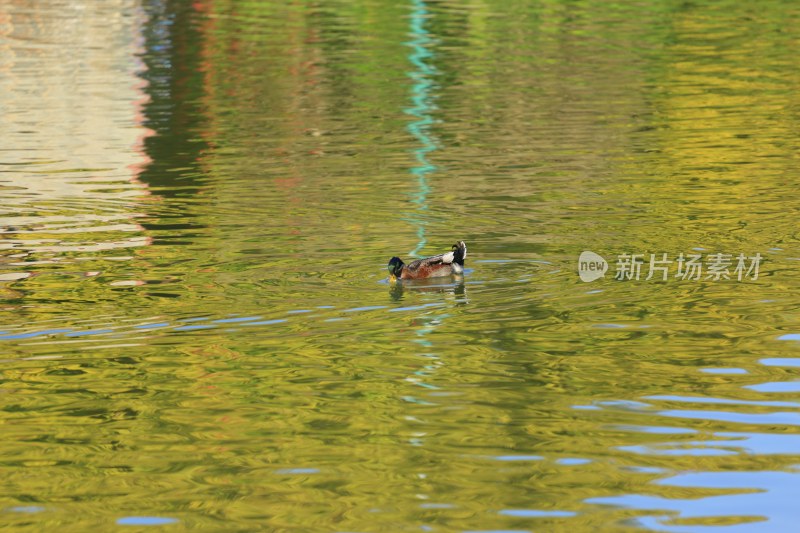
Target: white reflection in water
x,y
72,129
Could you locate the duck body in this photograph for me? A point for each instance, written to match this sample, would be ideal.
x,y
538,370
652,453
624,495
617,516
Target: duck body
x,y
447,264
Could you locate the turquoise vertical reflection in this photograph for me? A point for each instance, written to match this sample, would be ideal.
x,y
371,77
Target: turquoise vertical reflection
x,y
420,109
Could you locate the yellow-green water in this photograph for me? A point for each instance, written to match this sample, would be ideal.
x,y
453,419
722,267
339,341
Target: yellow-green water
x,y
198,201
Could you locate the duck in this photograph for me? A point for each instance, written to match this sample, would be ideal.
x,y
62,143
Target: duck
x,y
447,264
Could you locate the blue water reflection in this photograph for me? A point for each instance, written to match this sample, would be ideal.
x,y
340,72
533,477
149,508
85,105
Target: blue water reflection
x,y
146,521
754,501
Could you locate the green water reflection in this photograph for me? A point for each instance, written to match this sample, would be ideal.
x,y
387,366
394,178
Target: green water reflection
x,y
199,201
421,109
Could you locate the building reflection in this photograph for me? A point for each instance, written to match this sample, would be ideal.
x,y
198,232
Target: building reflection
x,y
73,132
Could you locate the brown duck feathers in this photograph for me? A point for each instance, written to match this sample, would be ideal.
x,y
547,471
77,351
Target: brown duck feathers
x,y
447,264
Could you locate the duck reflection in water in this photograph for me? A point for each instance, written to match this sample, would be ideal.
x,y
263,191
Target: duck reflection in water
x,y
454,286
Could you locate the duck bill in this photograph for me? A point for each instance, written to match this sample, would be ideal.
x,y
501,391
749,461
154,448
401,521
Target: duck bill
x,y
392,278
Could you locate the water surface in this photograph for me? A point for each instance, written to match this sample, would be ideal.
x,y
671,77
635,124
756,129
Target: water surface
x,y
198,201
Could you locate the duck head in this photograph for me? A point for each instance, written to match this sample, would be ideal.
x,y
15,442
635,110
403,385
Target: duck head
x,y
395,268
